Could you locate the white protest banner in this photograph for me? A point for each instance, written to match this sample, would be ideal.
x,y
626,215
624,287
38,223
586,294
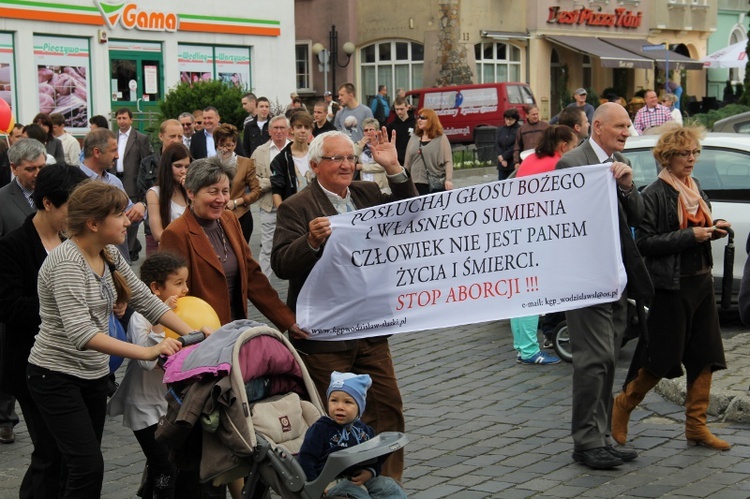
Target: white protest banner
x,y
520,247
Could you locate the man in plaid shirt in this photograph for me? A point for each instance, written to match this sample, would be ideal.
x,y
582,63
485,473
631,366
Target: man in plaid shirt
x,y
652,114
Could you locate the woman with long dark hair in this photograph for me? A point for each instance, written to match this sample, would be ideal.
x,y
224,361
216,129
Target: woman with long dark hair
x,y
167,199
52,144
79,284
429,158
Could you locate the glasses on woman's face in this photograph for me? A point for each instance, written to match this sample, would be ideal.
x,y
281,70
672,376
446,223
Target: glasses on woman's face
x,y
420,117
684,154
227,146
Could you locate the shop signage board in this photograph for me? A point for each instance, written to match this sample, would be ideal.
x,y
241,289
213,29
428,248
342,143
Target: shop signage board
x,y
618,18
7,69
135,15
63,78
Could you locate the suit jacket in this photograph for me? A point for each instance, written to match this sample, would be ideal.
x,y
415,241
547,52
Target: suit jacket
x,y
198,145
245,178
291,257
55,148
206,279
4,169
137,149
13,207
631,209
19,302
262,158
199,150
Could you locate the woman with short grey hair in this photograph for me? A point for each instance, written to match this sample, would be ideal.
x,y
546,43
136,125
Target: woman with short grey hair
x,y
370,170
222,271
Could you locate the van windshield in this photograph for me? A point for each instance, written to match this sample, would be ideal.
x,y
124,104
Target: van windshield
x,y
520,94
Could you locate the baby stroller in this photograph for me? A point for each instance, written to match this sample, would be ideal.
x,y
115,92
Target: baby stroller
x,y
259,404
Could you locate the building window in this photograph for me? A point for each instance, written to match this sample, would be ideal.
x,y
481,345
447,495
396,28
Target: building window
x,y
395,64
7,72
497,62
587,79
737,75
64,68
302,66
206,62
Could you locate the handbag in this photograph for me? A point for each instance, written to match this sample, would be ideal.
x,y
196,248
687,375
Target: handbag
x,y
437,183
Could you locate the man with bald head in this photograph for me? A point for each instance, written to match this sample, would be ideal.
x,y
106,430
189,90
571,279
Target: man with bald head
x,y
596,331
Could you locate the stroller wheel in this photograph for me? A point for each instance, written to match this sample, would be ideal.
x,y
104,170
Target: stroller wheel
x,y
561,342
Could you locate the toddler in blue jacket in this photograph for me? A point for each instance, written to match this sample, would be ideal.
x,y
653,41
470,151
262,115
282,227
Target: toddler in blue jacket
x,y
340,429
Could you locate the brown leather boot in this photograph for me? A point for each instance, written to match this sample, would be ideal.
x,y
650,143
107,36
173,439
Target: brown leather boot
x,y
696,406
627,401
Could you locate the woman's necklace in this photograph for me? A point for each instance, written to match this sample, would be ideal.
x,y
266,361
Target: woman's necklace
x,y
223,242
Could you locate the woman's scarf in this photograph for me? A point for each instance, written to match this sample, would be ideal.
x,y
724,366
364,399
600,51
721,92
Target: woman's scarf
x,y
690,204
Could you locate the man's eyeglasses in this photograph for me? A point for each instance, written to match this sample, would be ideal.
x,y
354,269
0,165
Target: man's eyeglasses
x,y
685,154
340,159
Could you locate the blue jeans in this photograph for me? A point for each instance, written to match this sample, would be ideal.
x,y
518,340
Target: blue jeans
x,y
379,487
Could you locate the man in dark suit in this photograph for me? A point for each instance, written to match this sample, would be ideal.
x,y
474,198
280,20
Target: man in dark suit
x,y
27,157
596,331
202,144
132,147
13,136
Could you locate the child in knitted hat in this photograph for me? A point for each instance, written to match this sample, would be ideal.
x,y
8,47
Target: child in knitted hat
x,y
340,429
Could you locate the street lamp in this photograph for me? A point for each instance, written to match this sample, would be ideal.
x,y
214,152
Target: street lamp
x,y
329,59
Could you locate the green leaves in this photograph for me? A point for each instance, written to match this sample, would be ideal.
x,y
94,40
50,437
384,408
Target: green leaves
x,y
191,96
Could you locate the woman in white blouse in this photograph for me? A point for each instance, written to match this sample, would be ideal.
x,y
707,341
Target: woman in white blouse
x,y
168,199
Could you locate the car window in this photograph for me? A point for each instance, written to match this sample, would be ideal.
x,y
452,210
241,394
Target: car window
x,y
528,97
645,168
742,127
723,174
514,94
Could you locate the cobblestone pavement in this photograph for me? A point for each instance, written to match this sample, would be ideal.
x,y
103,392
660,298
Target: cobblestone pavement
x,y
483,426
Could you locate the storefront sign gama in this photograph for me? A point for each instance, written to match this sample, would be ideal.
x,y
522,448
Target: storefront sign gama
x,y
130,16
621,18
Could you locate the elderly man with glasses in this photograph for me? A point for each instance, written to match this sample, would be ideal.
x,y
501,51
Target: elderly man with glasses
x,y
302,229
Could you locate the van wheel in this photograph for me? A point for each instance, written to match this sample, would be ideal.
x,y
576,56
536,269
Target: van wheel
x,y
561,342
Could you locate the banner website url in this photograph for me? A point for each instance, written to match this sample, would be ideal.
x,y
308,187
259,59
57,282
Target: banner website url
x,y
367,326
589,296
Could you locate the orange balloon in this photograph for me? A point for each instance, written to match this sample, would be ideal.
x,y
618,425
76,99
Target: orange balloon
x,y
6,117
196,313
